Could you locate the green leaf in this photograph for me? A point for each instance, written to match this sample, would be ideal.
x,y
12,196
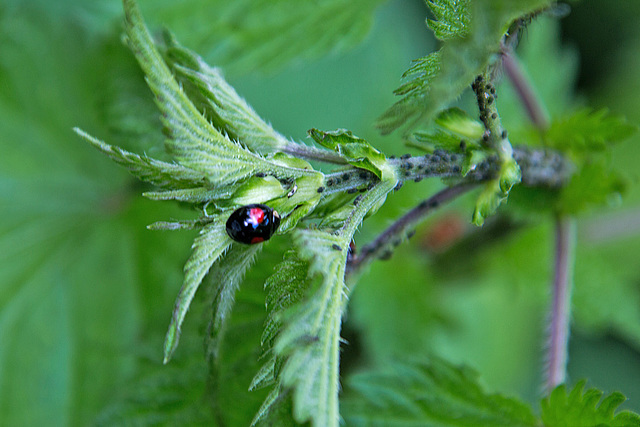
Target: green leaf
x,y
593,185
207,248
585,408
588,131
438,79
159,173
193,141
311,339
454,130
452,18
245,35
221,103
357,151
428,393
226,277
458,122
496,191
285,288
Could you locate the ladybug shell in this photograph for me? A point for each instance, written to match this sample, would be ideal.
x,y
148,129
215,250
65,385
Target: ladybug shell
x,y
252,224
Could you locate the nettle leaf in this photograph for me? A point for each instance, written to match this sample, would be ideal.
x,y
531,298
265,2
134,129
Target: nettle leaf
x,y
592,185
496,191
452,18
156,172
226,277
357,151
221,103
438,79
585,408
247,35
311,339
193,140
428,393
460,123
207,248
285,288
454,130
588,131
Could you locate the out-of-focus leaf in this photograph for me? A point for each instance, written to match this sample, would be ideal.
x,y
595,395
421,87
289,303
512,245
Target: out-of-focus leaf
x,y
243,35
428,393
581,407
441,77
452,18
70,299
588,131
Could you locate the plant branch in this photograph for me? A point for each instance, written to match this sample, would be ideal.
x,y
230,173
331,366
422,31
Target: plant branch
x,y
523,88
560,307
312,153
381,246
540,167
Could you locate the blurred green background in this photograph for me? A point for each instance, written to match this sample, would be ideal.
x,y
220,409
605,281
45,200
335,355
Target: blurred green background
x,y
86,292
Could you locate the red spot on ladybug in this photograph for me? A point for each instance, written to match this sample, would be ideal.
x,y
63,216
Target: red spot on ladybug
x,y
256,215
252,224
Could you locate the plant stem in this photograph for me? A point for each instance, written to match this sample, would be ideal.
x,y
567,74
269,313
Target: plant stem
x,y
521,84
560,307
399,230
312,153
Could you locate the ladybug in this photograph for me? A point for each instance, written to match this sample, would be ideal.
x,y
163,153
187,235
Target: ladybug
x,y
253,224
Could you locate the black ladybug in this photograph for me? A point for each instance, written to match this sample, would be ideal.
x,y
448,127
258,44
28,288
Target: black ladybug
x,y
252,224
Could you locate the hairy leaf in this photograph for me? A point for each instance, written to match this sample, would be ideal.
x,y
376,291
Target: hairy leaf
x,y
159,173
285,288
226,277
245,35
428,393
452,18
585,408
357,151
310,339
223,105
193,141
207,248
588,131
438,79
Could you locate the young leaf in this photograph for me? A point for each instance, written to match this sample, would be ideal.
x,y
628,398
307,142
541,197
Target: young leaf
x,y
193,141
432,392
585,408
454,130
207,248
226,277
452,18
458,122
285,288
588,131
223,105
357,151
247,35
310,339
147,169
441,77
496,191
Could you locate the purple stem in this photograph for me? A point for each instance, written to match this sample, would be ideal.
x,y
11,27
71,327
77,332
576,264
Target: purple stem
x,y
523,88
399,228
561,307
